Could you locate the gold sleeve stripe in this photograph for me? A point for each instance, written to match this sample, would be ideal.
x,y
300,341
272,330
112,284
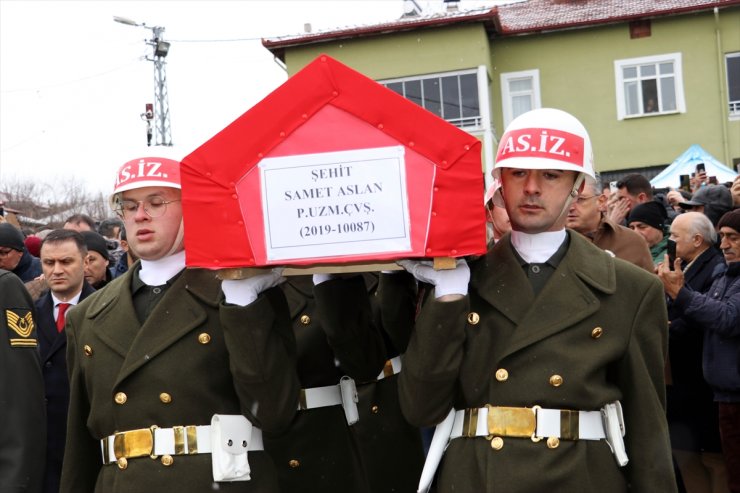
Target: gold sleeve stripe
x,y
23,326
23,342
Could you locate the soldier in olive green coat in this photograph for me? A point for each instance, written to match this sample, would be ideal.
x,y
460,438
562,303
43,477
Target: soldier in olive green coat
x,y
550,333
160,350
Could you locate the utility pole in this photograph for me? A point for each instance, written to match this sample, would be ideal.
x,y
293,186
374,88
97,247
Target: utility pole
x,y
160,49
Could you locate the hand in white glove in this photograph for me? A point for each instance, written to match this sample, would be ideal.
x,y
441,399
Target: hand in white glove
x,y
447,281
242,292
319,278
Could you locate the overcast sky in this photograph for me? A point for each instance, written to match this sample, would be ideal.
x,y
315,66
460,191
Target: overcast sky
x,y
73,83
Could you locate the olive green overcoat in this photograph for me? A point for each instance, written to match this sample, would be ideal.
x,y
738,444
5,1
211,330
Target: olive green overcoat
x,y
596,333
193,357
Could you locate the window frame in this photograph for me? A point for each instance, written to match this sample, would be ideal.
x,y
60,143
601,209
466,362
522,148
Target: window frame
x,y
733,107
477,124
621,102
507,106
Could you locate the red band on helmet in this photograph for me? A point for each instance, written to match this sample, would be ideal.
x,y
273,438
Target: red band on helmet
x,y
542,143
151,171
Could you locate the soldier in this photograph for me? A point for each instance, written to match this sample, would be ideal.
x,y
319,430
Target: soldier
x,y
337,443
166,362
23,431
553,363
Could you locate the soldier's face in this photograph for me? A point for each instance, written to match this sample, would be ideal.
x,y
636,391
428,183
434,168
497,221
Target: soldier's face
x,y
535,198
63,266
152,238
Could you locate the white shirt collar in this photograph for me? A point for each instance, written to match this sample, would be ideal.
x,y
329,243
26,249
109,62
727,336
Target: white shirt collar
x,y
158,272
72,301
537,248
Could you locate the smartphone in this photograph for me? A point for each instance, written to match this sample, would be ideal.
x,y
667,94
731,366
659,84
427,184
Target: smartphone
x,y
613,186
685,182
700,167
671,253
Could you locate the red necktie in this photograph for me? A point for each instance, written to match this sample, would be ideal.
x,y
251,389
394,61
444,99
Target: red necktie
x,y
62,307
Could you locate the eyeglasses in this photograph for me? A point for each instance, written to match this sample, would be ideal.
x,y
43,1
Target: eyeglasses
x,y
582,200
5,252
153,206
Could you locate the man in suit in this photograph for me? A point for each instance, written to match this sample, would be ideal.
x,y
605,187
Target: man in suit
x,y
173,373
544,338
23,430
63,254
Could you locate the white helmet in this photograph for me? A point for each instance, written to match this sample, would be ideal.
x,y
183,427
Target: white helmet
x,y
545,138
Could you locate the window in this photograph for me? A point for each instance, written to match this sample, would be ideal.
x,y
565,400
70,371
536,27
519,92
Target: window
x,y
649,86
733,83
452,96
520,92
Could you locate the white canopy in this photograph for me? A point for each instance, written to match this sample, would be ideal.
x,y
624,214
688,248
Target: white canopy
x,y
685,164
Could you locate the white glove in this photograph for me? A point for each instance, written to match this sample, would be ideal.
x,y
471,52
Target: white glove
x,y
242,292
447,281
319,278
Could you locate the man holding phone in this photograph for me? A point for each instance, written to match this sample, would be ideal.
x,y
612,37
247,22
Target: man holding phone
x,y
692,414
716,315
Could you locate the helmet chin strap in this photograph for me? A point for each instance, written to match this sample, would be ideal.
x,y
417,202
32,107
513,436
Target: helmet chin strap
x,y
177,245
572,195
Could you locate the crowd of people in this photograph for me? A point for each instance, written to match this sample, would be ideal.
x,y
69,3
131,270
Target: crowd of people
x,y
594,347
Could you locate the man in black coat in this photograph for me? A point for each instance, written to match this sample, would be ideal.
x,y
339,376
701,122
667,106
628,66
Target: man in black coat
x,y
63,254
14,255
692,412
22,434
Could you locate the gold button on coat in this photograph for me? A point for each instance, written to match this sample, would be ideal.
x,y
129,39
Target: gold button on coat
x,y
375,409
502,375
165,397
204,338
497,443
553,442
167,460
122,463
596,333
305,319
556,380
473,318
293,463
87,350
120,398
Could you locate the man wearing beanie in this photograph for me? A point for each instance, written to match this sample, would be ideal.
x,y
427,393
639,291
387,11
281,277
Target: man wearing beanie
x,y
717,313
97,273
649,220
14,256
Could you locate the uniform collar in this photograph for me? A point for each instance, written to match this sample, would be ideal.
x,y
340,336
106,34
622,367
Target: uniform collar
x,y
158,272
537,248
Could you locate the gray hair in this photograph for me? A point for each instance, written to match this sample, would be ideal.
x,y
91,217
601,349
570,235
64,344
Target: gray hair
x,y
594,184
699,224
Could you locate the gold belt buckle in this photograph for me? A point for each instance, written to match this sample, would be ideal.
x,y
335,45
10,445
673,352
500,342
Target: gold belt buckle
x,y
512,421
134,443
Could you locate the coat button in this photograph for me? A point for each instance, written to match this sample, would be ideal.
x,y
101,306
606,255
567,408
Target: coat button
x,y
556,380
502,375
120,398
165,397
87,350
122,463
293,463
374,409
167,460
596,333
497,443
473,318
553,442
305,319
204,338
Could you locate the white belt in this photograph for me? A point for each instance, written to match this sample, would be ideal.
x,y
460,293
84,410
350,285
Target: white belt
x,y
331,395
532,422
179,440
392,367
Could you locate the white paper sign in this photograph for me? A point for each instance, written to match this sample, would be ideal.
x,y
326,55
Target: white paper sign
x,y
335,204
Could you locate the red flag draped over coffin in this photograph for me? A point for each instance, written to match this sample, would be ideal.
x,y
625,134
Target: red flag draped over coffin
x,y
275,187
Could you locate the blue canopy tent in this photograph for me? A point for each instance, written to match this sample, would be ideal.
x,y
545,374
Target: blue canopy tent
x,y
685,164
